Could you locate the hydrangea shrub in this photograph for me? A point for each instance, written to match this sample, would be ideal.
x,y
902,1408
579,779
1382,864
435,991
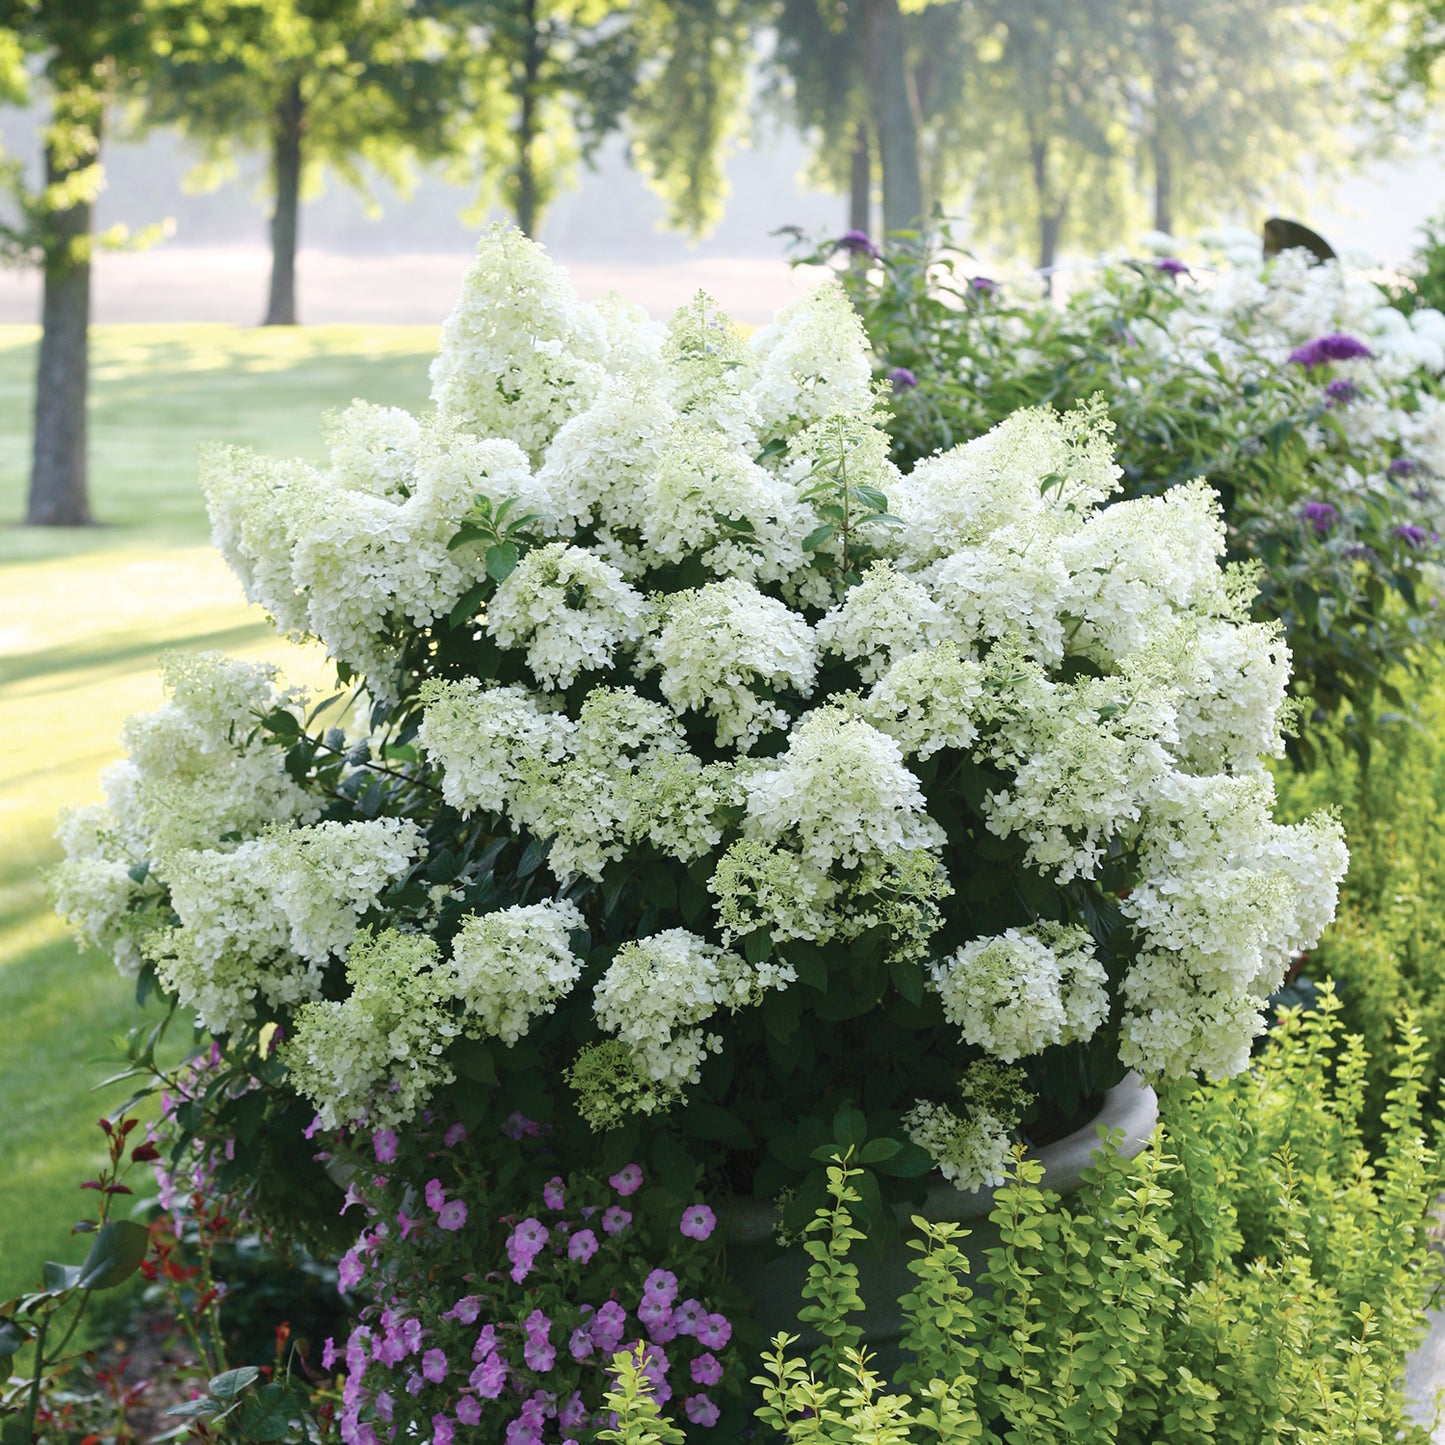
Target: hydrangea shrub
x,y
698,778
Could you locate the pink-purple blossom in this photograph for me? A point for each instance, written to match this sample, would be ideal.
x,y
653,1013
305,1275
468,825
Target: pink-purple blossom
x,y
902,379
349,1270
582,1246
442,1432
436,1196
714,1332
454,1135
466,1310
383,1143
489,1377
661,1282
580,1345
1171,266
452,1215
615,1219
608,1326
698,1221
856,243
1322,516
627,1180
469,1410
434,1366
688,1316
700,1410
554,1195
707,1369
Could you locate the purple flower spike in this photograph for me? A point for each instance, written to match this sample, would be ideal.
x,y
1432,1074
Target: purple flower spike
x,y
902,379
1404,467
856,243
1334,347
1171,266
1341,392
983,285
1320,515
1412,536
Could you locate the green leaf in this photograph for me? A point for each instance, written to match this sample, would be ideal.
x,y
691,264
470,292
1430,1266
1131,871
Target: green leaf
x,y
907,978
501,561
758,946
850,1127
819,537
193,1409
908,1163
57,1278
472,1059
267,1414
467,604
469,532
876,1151
284,724
230,1384
12,1340
115,1254
810,965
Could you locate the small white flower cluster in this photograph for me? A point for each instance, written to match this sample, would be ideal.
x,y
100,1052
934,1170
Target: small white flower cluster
x,y
972,1152
195,773
1016,994
658,991
262,920
378,1053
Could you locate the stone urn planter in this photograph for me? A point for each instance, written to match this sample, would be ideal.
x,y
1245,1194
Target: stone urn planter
x,y
775,1277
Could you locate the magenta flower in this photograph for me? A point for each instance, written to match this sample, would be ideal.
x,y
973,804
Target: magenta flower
x,y
627,1180
698,1221
383,1143
707,1370
310,1131
452,1215
580,1345
486,1342
1334,347
1320,515
434,1366
349,1270
608,1326
519,1126
465,1311
1341,392
469,1410
441,1430
1412,536
582,1246
573,1414
553,1194
615,1220
700,1410
414,1382
654,1309
714,1332
1171,266
436,1196
539,1355
489,1377
410,1333
384,1404
1403,467
455,1134
661,1282
689,1316
902,379
328,1353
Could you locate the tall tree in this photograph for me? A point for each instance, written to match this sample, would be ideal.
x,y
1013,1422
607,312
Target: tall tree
x,y
1229,98
548,80
88,53
359,86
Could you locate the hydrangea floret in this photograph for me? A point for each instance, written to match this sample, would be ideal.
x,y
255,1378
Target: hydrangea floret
x,y
698,774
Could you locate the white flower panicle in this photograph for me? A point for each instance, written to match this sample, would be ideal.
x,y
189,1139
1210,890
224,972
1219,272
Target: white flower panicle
x,y
570,610
514,964
839,794
1020,992
972,1152
658,991
718,644
887,616
520,354
929,700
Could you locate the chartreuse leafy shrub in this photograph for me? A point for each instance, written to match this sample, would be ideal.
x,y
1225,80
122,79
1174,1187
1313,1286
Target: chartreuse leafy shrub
x,y
1253,1276
1386,949
696,778
1306,399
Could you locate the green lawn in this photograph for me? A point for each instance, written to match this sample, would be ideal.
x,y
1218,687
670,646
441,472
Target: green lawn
x,y
84,615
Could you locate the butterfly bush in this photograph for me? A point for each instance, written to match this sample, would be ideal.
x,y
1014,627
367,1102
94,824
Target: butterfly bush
x,y
1309,402
697,773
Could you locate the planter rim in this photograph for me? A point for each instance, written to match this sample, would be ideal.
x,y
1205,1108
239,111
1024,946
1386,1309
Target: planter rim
x,y
1130,1108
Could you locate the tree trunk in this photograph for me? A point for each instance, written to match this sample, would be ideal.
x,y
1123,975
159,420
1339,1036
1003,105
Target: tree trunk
x,y
58,494
528,200
860,182
290,126
1163,187
1051,216
894,115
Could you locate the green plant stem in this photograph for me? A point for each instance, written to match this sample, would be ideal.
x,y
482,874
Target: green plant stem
x,y
32,1407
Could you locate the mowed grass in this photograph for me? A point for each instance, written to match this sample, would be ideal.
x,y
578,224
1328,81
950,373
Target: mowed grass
x,y
84,616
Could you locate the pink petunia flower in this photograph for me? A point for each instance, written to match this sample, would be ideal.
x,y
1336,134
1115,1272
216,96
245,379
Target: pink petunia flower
x,y
707,1370
582,1246
698,1221
455,1134
434,1366
452,1215
700,1410
554,1196
469,1410
714,1332
383,1143
436,1196
627,1180
615,1219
